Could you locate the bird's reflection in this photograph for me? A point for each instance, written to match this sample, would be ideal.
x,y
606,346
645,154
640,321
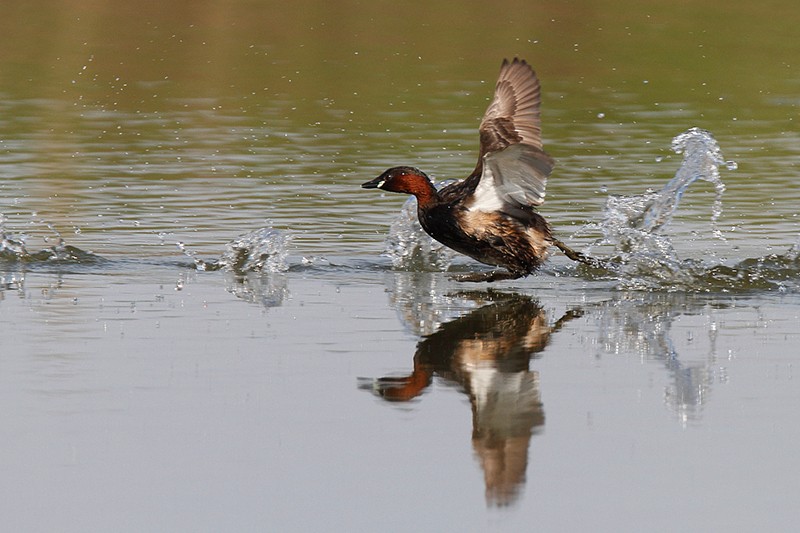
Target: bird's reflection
x,y
483,342
487,353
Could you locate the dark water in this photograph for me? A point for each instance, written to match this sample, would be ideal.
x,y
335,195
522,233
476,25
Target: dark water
x,y
208,326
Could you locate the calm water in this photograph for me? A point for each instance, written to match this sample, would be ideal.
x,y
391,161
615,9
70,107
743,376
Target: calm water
x,y
151,387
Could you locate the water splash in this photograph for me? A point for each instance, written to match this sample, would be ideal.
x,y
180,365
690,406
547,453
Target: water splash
x,y
14,248
262,250
409,247
644,256
701,161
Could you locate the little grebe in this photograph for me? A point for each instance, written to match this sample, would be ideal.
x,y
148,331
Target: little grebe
x,y
490,215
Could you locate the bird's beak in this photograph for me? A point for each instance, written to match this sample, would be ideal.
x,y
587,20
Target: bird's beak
x,y
373,184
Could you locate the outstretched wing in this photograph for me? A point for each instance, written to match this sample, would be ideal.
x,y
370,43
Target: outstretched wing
x,y
513,168
513,115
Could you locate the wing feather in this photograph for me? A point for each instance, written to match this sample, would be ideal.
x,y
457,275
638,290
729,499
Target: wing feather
x,y
513,115
512,166
516,175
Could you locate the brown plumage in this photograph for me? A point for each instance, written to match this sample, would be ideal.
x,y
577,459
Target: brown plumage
x,y
490,215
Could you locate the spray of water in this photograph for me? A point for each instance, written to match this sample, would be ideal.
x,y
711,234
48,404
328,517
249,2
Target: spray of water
x,y
14,248
643,255
262,250
409,247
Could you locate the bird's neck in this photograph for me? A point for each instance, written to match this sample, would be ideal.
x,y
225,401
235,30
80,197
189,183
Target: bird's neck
x,y
425,193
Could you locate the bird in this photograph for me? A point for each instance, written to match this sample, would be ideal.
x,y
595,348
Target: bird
x,y
491,215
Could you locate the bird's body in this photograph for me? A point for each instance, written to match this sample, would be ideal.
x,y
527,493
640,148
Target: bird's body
x,y
490,215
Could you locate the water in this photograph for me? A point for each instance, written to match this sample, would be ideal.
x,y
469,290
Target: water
x,y
262,250
409,247
208,325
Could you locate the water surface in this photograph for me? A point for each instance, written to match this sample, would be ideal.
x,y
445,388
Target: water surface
x,y
281,369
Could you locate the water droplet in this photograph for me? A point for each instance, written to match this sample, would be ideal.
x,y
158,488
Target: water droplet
x,y
408,246
262,250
